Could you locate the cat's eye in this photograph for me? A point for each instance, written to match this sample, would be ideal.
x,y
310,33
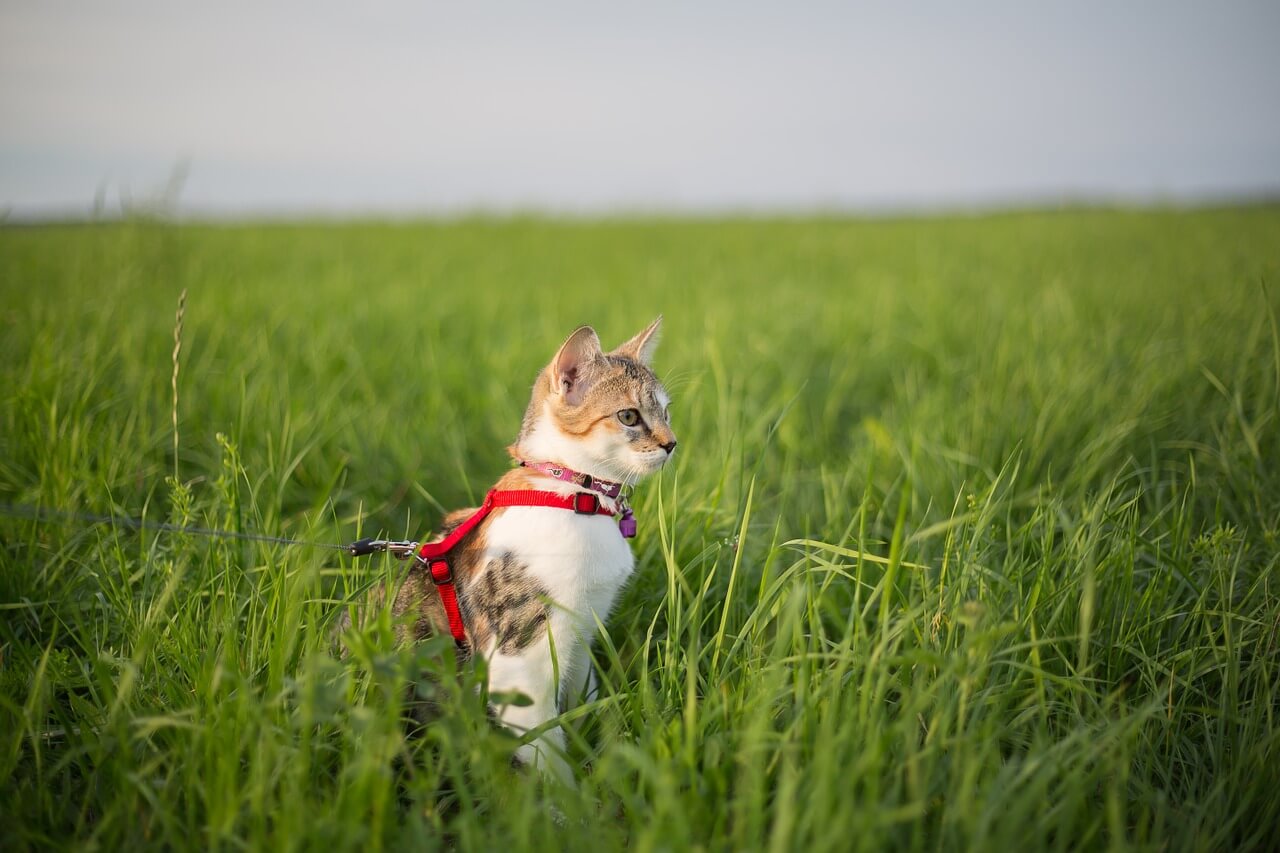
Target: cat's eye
x,y
629,417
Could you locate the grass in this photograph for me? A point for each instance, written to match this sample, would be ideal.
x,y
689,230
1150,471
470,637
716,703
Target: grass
x,y
972,540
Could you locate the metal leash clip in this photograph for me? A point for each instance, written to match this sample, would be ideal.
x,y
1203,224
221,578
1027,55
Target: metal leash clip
x,y
401,549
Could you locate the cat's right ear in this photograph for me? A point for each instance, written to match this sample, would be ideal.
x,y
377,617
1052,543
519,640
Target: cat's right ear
x,y
641,347
571,368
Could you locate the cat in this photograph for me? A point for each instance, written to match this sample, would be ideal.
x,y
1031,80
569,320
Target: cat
x,y
531,581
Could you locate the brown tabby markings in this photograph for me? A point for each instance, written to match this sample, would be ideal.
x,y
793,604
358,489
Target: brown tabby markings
x,y
504,584
506,605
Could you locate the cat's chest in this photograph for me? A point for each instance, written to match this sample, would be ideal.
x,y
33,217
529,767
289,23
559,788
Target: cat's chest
x,y
581,561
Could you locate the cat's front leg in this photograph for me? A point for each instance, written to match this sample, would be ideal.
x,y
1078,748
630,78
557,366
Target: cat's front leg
x,y
532,674
582,684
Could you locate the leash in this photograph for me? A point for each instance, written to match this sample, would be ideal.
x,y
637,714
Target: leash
x,y
433,555
359,548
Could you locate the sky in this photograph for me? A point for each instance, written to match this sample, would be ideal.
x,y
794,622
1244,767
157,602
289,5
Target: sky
x,y
229,108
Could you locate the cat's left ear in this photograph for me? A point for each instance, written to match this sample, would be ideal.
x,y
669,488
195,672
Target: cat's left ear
x,y
571,369
641,347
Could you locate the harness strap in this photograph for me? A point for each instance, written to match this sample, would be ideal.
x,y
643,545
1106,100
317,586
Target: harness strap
x,y
435,554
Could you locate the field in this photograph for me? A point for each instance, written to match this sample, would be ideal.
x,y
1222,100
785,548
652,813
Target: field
x,y
972,540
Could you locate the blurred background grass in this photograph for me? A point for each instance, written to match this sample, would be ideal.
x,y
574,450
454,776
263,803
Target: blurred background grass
x,y
1030,457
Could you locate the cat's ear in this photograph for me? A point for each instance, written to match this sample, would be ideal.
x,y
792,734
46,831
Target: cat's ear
x,y
571,368
641,347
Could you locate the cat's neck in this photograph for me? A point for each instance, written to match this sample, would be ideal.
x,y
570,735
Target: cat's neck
x,y
542,441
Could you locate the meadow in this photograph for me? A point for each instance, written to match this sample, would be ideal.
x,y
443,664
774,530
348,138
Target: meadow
x,y
971,541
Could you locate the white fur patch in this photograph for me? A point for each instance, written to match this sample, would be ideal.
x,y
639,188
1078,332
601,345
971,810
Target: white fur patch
x,y
582,562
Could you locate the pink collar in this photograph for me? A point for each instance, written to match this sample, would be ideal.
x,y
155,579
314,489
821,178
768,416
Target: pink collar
x,y
568,475
611,490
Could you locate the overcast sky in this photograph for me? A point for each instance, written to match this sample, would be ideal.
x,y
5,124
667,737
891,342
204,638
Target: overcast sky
x,y
353,108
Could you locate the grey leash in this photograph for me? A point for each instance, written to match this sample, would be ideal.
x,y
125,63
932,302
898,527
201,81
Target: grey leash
x,y
402,549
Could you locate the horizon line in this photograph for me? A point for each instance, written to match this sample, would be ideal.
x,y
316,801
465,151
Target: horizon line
x,y
995,204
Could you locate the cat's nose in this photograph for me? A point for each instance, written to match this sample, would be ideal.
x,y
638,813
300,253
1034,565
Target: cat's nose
x,y
670,446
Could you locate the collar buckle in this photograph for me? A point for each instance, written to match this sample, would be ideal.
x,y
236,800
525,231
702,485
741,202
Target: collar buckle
x,y
586,503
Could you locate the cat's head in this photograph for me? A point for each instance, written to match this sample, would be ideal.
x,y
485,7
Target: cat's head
x,y
600,413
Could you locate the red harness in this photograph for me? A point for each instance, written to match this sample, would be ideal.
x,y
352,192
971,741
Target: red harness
x,y
435,555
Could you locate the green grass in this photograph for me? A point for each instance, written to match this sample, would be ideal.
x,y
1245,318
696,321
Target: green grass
x,y
971,542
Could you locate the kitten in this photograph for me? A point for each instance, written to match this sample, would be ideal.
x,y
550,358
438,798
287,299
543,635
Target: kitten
x,y
530,577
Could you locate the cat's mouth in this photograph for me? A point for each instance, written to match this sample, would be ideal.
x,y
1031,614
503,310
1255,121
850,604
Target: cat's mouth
x,y
653,460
